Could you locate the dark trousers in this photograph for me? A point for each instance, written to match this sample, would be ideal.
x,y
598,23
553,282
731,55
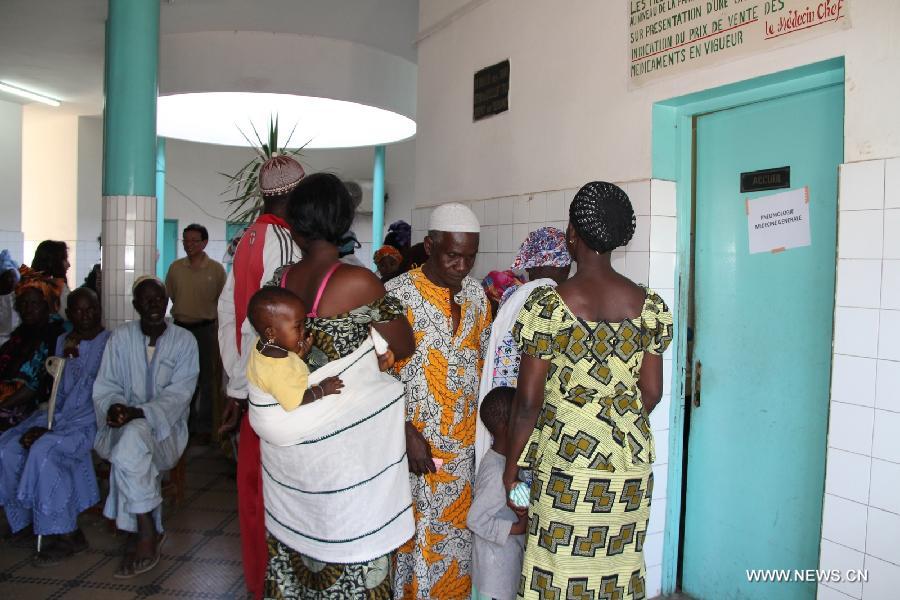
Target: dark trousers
x,y
206,406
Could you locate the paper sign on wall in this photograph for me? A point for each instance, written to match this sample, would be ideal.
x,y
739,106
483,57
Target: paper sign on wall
x,y
779,221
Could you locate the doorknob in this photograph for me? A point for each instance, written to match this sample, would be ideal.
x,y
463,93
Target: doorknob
x,y
698,374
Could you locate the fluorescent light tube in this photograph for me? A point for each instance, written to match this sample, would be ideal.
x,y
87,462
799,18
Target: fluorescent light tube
x,y
17,91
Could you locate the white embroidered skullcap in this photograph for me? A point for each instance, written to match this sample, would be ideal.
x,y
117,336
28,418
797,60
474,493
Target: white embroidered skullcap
x,y
144,278
455,218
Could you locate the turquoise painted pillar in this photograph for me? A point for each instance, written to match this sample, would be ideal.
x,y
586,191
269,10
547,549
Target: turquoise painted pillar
x,y
129,152
129,116
378,200
160,204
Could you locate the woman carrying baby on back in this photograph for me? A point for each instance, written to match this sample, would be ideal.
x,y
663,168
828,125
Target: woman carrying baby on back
x,y
335,478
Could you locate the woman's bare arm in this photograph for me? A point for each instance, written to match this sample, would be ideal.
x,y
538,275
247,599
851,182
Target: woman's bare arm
x,y
650,381
525,411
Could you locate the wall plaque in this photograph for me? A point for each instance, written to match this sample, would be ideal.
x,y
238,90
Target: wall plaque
x,y
766,179
491,91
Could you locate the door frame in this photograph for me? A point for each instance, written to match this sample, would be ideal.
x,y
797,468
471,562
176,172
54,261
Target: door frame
x,y
162,253
673,159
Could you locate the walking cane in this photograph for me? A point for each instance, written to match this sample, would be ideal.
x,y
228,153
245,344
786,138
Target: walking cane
x,y
55,366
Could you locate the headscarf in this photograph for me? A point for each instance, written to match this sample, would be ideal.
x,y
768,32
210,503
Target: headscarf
x,y
50,288
454,218
388,251
399,235
279,175
498,283
544,247
602,215
8,264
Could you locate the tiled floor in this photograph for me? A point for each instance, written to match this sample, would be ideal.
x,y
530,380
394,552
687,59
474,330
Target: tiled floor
x,y
201,556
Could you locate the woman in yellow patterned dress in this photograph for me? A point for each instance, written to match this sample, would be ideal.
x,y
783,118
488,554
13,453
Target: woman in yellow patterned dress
x,y
591,372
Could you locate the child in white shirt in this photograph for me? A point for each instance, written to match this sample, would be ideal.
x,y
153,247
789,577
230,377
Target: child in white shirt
x,y
499,543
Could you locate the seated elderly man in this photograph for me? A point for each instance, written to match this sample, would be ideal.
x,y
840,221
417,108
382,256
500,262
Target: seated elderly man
x,y
142,396
46,475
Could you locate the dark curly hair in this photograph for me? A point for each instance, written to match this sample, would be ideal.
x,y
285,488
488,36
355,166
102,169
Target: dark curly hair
x,y
320,208
196,227
496,407
602,215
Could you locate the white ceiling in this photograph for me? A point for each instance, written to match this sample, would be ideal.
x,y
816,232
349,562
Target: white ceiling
x,y
55,47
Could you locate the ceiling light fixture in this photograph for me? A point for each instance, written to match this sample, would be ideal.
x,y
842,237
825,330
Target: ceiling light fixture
x,y
220,117
23,93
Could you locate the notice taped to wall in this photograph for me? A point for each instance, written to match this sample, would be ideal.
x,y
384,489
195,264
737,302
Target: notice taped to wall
x,y
671,36
779,221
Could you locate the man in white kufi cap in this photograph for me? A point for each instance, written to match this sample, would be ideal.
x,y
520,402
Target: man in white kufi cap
x,y
451,320
142,396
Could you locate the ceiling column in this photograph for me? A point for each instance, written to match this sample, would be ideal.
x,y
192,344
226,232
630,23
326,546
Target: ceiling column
x,y
129,152
377,201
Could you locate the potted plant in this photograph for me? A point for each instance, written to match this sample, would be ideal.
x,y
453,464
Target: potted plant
x,y
247,203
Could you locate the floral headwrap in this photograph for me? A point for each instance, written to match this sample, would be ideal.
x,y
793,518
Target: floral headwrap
x,y
544,247
49,287
388,251
497,283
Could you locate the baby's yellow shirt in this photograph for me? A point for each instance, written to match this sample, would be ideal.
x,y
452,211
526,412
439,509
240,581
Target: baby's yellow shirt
x,y
285,379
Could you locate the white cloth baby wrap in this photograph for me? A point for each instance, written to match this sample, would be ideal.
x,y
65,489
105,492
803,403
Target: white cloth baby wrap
x,y
335,477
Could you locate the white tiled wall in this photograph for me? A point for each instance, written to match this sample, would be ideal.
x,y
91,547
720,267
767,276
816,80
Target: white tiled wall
x,y
87,254
648,259
129,251
861,520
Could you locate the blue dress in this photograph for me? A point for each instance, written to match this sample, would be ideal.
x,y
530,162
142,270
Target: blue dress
x,y
54,481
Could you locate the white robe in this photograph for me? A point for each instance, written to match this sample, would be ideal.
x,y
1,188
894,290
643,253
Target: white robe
x,y
500,328
162,387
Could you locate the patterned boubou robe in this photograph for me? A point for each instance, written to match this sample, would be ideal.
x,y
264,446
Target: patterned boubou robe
x,y
441,380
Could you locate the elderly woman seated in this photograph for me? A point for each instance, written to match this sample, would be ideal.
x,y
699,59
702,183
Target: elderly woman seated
x,y
46,475
23,376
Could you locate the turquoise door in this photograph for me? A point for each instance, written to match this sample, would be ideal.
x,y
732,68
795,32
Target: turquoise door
x,y
232,230
170,243
762,343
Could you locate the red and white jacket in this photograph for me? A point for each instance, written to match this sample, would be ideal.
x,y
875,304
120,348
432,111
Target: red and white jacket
x,y
264,246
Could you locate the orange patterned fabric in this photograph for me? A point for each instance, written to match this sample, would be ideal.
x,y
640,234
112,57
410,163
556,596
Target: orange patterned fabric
x,y
441,378
51,288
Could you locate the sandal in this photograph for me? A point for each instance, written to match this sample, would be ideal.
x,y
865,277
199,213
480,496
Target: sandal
x,y
61,548
131,567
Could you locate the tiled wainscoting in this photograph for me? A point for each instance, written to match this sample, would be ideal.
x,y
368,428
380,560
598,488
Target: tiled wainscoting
x,y
861,522
129,251
648,259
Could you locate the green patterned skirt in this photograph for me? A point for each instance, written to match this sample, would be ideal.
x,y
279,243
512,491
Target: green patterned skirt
x,y
292,575
586,534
